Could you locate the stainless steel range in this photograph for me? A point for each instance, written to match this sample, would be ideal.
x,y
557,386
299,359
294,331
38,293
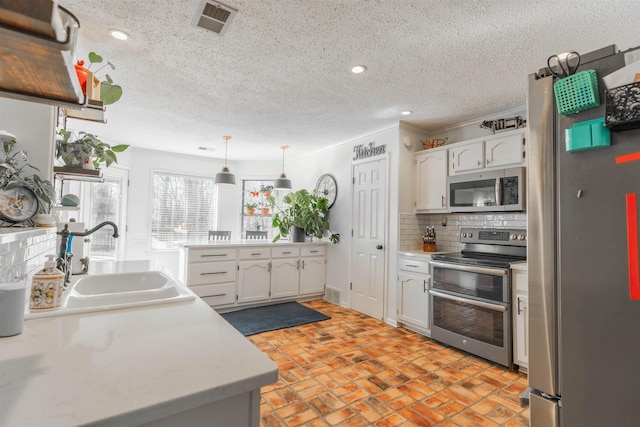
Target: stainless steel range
x,y
471,292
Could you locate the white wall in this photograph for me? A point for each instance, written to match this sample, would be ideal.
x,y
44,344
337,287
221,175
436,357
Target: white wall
x,y
34,127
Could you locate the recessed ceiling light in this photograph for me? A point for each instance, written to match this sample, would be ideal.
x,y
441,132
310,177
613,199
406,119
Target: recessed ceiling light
x,y
118,34
406,112
358,69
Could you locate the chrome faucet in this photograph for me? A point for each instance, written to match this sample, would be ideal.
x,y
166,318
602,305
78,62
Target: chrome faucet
x,y
64,259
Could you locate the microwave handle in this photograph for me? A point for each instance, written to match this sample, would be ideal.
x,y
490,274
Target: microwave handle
x,y
499,191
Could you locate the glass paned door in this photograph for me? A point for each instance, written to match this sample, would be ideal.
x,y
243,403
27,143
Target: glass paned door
x,y
106,201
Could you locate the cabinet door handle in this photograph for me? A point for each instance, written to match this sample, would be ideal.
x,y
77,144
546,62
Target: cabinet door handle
x,y
213,272
286,253
519,309
298,265
256,254
269,269
205,256
479,162
314,252
443,201
411,265
424,286
303,264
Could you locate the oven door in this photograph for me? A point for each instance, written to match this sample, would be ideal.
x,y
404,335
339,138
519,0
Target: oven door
x,y
470,310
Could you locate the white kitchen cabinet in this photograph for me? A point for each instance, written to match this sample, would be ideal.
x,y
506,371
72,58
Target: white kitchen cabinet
x,y
210,273
431,180
466,157
519,279
254,274
229,276
506,150
492,152
312,269
413,286
285,272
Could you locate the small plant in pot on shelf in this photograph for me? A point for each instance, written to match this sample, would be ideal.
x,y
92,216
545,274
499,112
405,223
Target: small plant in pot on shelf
x,y
92,79
251,208
14,173
266,190
302,213
86,150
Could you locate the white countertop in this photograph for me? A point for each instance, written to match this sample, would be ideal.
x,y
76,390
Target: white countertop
x,y
419,252
522,266
249,242
125,367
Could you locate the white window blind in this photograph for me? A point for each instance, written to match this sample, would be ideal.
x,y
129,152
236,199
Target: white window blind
x,y
184,209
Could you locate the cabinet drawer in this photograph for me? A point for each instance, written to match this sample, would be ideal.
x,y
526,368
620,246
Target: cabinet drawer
x,y
216,294
286,252
254,253
212,272
312,251
420,266
211,254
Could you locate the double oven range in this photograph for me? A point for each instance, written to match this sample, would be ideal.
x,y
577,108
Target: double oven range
x,y
471,293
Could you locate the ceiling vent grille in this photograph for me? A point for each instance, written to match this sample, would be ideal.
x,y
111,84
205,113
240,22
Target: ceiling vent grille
x,y
214,16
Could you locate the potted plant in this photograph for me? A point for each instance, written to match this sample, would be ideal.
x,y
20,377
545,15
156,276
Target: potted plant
x,y
89,79
86,151
264,210
266,190
13,174
302,213
251,208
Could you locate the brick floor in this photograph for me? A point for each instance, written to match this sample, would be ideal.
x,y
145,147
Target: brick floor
x,y
353,370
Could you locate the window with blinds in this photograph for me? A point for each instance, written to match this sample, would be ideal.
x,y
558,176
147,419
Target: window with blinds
x,y
184,209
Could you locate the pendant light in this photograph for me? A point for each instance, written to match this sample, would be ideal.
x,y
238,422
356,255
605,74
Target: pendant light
x,y
282,183
225,177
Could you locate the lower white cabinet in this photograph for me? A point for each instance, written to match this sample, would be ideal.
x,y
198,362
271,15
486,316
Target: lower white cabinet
x,y
234,275
519,280
312,269
254,280
413,285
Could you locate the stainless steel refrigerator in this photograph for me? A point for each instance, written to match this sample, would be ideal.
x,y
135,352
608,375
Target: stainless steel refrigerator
x,y
584,360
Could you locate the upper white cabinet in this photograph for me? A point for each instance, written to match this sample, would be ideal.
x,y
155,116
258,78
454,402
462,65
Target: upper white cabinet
x,y
431,180
496,151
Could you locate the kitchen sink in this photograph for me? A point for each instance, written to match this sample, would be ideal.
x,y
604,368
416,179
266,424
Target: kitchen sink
x,y
119,284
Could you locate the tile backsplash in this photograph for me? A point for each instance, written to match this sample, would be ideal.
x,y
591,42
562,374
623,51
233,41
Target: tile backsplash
x,y
413,226
23,252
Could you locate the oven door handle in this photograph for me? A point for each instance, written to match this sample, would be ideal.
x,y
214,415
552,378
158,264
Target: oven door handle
x,y
489,306
471,269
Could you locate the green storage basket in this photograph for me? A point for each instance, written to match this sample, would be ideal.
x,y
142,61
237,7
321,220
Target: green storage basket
x,y
577,92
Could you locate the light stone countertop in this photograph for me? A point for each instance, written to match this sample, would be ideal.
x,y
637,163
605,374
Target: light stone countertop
x,y
125,367
522,266
246,243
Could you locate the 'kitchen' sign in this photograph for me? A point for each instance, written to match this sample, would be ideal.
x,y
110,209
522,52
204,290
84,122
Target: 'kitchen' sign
x,y
368,150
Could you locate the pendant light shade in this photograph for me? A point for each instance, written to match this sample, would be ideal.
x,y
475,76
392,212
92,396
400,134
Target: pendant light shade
x,y
282,183
225,177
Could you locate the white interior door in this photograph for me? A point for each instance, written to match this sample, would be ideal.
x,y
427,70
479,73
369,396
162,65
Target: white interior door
x,y
368,242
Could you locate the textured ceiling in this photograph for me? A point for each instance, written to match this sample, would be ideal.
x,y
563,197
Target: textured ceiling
x,y
281,73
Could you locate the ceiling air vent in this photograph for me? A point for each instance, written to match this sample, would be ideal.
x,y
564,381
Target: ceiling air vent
x,y
214,16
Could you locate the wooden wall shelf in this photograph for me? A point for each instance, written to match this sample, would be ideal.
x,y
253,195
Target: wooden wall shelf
x,y
36,53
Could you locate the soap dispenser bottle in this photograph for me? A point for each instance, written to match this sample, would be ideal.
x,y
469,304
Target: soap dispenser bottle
x,y
47,287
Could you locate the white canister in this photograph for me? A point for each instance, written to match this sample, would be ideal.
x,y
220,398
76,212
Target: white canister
x,y
12,305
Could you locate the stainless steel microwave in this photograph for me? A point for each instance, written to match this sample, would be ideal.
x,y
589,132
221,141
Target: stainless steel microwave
x,y
493,191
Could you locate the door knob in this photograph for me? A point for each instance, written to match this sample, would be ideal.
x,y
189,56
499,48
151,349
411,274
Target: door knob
x,y
379,247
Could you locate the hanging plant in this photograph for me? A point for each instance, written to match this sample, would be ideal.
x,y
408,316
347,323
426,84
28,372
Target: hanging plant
x,y
76,150
109,92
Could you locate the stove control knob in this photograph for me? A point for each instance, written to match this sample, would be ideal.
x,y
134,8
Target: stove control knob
x,y
463,234
521,237
513,237
470,235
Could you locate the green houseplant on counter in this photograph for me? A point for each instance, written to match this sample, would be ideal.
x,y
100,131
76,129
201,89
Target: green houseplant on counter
x,y
77,151
308,212
14,173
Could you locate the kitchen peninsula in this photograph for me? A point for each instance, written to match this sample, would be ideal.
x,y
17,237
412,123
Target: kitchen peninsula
x,y
229,275
161,365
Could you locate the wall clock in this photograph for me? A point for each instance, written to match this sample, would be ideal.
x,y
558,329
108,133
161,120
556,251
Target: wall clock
x,y
328,188
18,204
